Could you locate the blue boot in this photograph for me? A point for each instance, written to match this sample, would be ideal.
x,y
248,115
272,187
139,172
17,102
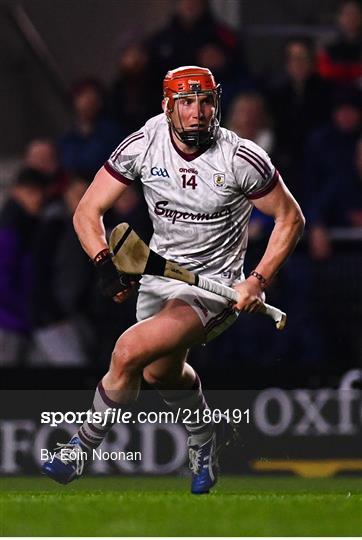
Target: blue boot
x,y
203,464
68,462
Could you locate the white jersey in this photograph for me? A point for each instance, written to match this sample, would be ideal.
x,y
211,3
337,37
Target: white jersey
x,y
199,204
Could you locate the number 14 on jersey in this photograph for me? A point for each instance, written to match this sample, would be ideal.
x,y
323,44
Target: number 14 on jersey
x,y
189,181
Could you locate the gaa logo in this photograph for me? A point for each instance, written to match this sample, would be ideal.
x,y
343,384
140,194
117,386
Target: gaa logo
x,y
219,180
157,171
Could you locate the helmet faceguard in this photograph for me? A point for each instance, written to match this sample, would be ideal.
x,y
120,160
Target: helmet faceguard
x,y
192,81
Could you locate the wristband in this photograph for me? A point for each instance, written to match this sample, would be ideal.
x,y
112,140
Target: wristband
x,y
111,282
104,254
259,277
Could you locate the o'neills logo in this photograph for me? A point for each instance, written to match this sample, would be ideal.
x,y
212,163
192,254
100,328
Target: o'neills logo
x,y
178,215
192,171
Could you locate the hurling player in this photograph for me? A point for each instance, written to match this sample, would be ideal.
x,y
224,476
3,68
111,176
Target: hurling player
x,y
200,182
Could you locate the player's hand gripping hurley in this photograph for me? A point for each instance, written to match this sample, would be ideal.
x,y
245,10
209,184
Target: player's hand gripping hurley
x,y
132,256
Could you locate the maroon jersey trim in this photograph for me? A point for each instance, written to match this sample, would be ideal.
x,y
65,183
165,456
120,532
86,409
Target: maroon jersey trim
x,y
267,189
132,138
257,158
117,175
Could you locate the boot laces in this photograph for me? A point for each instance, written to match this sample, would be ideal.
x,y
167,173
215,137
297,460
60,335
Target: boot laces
x,y
195,458
70,453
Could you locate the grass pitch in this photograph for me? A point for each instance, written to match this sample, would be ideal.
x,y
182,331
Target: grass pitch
x,y
163,506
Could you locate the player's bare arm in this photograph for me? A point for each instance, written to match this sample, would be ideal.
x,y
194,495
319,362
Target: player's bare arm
x,y
99,197
88,224
288,228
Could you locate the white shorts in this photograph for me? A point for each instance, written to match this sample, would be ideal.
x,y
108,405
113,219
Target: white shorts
x,y
216,313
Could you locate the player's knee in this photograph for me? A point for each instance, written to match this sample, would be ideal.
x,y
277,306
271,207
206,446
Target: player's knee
x,y
126,358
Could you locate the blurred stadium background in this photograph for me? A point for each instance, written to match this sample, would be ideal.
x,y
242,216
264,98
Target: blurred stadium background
x,y
78,76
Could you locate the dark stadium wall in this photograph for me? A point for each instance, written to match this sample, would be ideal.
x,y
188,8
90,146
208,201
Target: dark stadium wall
x,y
84,37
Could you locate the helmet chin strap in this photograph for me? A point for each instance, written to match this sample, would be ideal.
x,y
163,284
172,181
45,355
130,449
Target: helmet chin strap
x,y
192,137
